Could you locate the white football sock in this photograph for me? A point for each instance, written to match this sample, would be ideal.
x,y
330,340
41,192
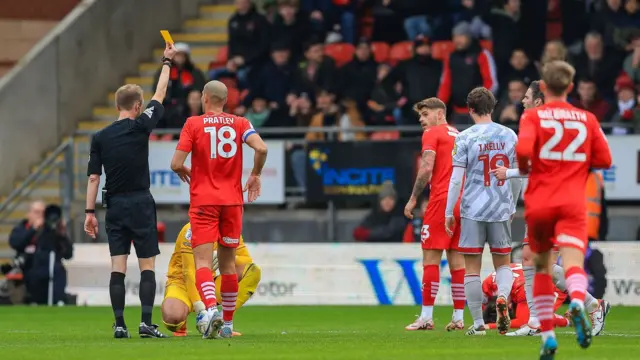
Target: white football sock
x,y
473,292
529,273
427,312
504,280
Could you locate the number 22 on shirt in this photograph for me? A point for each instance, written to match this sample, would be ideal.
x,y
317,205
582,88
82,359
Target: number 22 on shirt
x,y
222,141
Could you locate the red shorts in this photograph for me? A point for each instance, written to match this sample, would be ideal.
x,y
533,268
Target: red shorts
x,y
433,234
211,223
566,224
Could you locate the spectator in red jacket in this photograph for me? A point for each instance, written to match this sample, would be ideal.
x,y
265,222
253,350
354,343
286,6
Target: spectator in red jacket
x,y
468,67
590,100
626,114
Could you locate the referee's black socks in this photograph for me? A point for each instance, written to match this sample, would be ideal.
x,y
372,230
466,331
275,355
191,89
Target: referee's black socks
x,y
117,292
147,294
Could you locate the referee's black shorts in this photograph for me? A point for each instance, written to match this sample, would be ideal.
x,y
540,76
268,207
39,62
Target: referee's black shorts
x,y
132,216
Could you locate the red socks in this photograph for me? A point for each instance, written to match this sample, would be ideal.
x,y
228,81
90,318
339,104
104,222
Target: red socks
x,y
229,294
206,287
457,289
544,298
430,284
577,283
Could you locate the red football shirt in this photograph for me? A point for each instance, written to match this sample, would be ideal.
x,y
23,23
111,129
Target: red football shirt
x,y
440,139
215,143
562,143
517,295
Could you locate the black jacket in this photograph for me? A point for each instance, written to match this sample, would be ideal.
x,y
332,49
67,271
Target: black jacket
x,y
325,78
420,79
295,34
22,236
505,32
249,36
272,83
358,78
385,227
603,72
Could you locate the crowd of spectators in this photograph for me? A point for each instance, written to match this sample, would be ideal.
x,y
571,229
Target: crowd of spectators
x,y
284,69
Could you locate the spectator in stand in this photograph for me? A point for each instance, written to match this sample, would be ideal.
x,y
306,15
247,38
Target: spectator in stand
x,y
631,64
596,63
177,120
329,14
292,26
345,116
470,11
23,236
553,50
627,112
248,38
387,22
317,71
505,32
419,76
466,68
629,27
590,100
359,75
259,112
383,106
273,82
386,221
508,110
184,77
521,68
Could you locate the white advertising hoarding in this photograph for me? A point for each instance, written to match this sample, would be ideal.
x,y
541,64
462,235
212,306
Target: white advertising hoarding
x,y
167,188
622,180
332,274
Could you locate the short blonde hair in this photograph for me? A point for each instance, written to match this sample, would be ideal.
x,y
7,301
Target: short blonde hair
x,y
430,104
128,95
558,76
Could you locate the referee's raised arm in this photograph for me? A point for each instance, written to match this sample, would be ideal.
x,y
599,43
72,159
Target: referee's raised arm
x,y
122,150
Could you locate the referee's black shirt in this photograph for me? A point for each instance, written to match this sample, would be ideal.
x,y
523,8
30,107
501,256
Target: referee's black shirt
x,y
122,148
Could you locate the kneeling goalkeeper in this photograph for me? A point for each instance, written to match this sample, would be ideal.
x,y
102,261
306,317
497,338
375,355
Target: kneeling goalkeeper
x,y
181,295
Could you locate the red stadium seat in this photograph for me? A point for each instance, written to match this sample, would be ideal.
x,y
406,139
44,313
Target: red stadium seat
x,y
440,50
342,53
380,51
233,99
385,135
153,137
401,51
487,45
221,58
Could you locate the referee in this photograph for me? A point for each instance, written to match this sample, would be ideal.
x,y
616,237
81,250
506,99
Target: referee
x,y
122,148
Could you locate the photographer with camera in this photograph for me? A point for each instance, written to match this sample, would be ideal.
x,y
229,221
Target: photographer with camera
x,y
22,240
41,243
47,278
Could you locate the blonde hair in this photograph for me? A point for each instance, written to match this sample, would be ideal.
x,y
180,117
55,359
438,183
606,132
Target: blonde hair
x,y
557,76
128,95
430,104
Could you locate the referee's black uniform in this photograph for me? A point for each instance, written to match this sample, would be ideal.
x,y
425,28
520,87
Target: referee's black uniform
x,y
122,148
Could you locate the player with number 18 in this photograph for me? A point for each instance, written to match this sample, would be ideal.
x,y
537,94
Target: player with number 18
x,y
216,204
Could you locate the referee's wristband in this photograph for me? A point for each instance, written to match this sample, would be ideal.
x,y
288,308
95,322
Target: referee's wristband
x,y
166,61
89,211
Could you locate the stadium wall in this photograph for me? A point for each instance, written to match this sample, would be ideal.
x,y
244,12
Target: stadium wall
x,y
59,81
333,274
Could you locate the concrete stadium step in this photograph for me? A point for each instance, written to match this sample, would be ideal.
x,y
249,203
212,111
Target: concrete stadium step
x,y
220,12
202,38
149,69
205,25
199,54
91,125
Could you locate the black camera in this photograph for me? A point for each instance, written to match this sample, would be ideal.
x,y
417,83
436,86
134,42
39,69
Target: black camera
x,y
52,217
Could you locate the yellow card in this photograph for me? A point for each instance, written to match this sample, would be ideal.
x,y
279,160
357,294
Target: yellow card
x,y
166,36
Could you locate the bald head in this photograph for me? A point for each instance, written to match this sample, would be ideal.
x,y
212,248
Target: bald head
x,y
216,92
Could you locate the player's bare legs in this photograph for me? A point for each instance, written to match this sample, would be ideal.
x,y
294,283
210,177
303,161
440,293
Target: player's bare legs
x,y
543,292
504,281
228,287
577,283
456,267
473,292
174,316
203,256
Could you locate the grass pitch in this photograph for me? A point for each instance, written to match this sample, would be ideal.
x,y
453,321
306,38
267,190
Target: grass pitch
x,y
299,333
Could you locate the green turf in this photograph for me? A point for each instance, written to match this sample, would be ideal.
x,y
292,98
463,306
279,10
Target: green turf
x,y
291,333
